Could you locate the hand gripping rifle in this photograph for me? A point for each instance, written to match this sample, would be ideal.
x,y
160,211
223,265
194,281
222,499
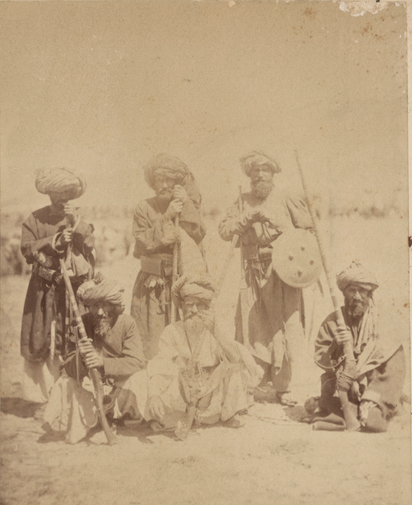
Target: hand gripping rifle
x,y
349,413
93,372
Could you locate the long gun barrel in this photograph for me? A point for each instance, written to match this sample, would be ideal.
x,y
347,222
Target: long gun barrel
x,y
93,372
352,423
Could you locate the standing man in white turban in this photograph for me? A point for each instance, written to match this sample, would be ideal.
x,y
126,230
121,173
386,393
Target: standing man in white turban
x,y
47,234
376,385
275,328
155,234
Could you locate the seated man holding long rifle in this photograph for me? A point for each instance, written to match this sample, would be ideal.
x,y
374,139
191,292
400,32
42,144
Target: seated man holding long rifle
x,y
375,383
113,347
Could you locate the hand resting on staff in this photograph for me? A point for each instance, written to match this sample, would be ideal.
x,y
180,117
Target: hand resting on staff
x,y
175,208
91,358
71,211
179,193
343,335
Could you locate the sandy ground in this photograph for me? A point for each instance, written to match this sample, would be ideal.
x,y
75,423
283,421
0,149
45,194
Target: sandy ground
x,y
273,458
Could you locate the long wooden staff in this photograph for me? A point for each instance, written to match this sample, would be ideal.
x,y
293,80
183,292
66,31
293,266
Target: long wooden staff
x,y
175,269
244,309
352,423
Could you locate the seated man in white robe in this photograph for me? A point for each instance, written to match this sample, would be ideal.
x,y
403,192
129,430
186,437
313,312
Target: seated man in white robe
x,y
198,373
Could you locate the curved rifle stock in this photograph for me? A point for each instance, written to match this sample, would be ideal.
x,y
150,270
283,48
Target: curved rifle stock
x,y
94,374
349,413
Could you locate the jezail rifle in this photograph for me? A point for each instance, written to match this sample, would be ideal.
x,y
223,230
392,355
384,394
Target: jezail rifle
x,y
349,413
93,372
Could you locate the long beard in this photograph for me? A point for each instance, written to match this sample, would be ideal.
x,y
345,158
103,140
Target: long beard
x,y
102,326
194,325
261,189
356,309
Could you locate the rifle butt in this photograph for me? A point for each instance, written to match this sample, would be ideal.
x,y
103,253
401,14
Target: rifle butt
x,y
97,383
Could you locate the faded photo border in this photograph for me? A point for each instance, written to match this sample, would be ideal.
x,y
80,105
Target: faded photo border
x,y
103,89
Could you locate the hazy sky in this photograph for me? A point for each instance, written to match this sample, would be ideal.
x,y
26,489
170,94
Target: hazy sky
x,y
103,86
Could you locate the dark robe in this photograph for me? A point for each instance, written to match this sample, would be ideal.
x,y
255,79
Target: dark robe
x,y
151,301
45,298
121,350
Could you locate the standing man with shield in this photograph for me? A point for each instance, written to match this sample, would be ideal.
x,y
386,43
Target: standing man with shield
x,y
172,215
273,328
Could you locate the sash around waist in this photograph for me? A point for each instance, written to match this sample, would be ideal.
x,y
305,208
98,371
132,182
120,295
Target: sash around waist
x,y
158,264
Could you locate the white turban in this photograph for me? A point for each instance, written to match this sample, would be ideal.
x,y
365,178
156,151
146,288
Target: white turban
x,y
356,274
256,159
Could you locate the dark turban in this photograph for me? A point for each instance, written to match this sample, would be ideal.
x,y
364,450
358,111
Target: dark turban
x,y
257,159
174,168
100,289
356,274
199,287
59,180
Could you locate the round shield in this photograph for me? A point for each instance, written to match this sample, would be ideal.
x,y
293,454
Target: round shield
x,y
296,258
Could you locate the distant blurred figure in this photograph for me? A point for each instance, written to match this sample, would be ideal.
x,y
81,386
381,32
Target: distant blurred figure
x,y
155,234
50,233
274,309
12,260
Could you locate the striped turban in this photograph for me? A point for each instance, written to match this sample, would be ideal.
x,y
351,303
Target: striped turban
x,y
200,287
59,180
257,159
356,274
101,289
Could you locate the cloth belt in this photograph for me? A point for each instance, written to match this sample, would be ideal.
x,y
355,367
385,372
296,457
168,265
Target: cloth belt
x,y
159,264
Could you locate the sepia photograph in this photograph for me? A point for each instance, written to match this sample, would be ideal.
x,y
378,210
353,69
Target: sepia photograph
x,y
204,253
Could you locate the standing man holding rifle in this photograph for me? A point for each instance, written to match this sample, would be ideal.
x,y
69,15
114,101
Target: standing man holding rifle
x,y
271,325
156,233
46,234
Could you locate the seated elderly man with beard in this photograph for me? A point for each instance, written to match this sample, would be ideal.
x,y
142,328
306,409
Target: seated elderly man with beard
x,y
113,347
376,386
197,370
